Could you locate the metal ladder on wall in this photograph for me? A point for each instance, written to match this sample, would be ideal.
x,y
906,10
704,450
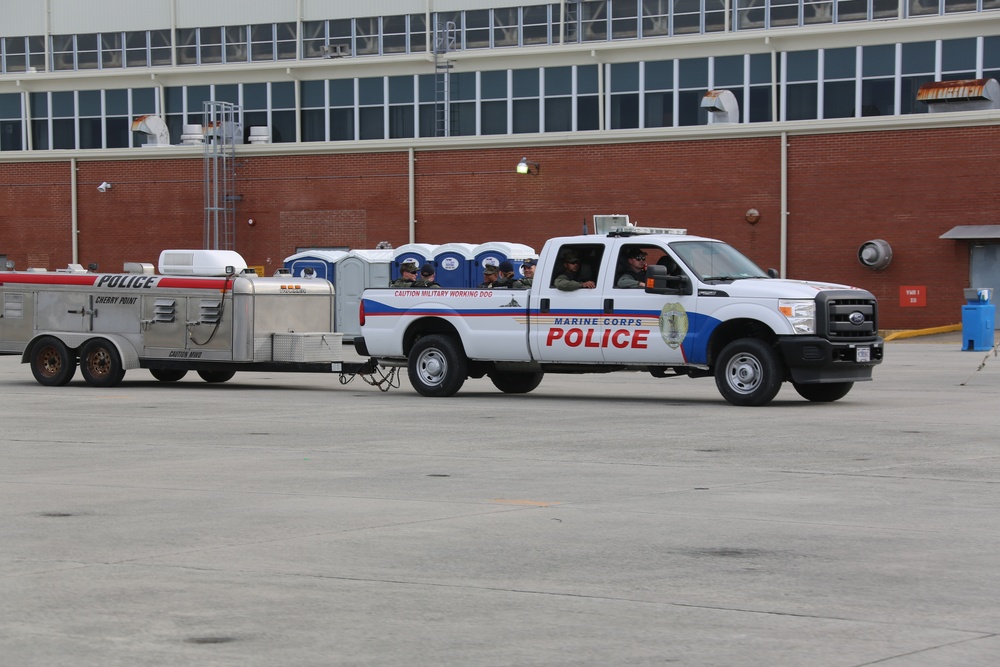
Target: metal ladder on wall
x,y
223,128
445,41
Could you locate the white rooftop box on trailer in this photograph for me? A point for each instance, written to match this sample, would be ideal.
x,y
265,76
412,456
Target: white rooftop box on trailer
x,y
200,262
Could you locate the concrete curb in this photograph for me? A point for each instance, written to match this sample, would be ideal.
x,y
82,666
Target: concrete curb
x,y
913,333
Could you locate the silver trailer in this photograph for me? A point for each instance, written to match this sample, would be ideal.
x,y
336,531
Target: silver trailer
x,y
171,324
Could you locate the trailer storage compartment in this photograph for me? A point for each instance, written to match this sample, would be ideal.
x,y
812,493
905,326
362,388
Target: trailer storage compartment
x,y
303,348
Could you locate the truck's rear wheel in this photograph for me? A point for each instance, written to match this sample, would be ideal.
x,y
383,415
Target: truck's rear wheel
x,y
823,393
515,383
436,366
100,363
167,374
52,364
748,372
216,376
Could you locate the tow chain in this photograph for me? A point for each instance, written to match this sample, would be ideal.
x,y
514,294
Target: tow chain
x,y
371,373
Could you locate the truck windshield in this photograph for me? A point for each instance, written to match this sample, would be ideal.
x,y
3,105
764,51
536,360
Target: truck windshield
x,y
713,261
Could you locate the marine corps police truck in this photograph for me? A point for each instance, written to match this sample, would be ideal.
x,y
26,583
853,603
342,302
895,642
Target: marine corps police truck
x,y
704,309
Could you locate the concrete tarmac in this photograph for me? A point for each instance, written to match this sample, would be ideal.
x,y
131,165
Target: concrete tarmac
x,y
600,520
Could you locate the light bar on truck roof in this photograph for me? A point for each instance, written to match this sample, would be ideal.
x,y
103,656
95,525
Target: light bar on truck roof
x,y
630,230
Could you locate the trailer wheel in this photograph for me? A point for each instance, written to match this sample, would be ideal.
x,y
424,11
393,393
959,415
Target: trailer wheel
x,y
52,364
100,363
436,366
748,372
823,393
515,383
167,374
216,376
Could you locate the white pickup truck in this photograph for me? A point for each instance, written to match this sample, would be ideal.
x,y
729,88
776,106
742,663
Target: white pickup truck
x,y
704,310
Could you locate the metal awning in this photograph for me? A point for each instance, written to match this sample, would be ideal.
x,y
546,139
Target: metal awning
x,y
972,232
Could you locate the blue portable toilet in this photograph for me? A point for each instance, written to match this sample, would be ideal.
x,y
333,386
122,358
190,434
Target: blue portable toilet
x,y
499,251
322,262
418,252
453,263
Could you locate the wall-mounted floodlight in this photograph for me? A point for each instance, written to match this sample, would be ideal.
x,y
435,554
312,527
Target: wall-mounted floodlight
x,y
525,167
104,186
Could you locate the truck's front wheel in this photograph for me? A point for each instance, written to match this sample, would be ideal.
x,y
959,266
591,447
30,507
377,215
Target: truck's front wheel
x,y
516,383
823,393
748,372
436,366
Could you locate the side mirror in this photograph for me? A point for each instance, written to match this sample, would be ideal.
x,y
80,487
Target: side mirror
x,y
773,273
658,281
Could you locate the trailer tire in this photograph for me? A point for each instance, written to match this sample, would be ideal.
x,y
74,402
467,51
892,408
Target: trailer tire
x,y
823,393
437,366
515,383
100,363
167,374
216,377
52,364
748,372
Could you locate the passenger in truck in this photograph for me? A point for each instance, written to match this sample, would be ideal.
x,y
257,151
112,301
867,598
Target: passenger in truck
x,y
633,275
569,278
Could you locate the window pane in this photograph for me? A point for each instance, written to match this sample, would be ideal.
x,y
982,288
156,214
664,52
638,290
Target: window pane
x,y
558,81
144,101
659,109
401,122
958,55
660,75
526,82
91,133
342,124
400,90
838,99
558,114
494,117
313,125
802,65
342,93
255,95
283,95
372,123
525,116
282,127
493,85
918,58
624,111
877,97
587,113
878,60
63,105
624,77
90,103
840,63
694,73
116,102
586,79
728,71
370,91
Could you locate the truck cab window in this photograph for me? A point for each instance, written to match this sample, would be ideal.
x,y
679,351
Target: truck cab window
x,y
576,263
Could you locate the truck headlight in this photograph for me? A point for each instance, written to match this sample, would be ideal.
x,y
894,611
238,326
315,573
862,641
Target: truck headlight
x,y
801,314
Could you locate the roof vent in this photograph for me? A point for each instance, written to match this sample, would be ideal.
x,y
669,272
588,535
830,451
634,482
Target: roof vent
x,y
154,128
963,95
722,107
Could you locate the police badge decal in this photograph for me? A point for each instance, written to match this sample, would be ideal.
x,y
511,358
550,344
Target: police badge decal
x,y
673,324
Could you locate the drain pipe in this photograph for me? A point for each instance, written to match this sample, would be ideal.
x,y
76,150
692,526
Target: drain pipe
x,y
74,220
413,204
784,205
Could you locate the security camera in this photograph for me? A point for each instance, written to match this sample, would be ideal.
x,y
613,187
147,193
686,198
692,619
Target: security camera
x,y
104,186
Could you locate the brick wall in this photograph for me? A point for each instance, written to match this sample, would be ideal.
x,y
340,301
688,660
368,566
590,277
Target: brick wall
x,y
905,187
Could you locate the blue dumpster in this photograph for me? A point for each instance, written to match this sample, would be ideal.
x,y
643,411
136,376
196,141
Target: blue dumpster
x,y
978,315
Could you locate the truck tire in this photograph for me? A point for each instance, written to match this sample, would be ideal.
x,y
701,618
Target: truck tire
x,y
436,366
823,393
52,364
100,363
167,374
515,383
216,376
748,372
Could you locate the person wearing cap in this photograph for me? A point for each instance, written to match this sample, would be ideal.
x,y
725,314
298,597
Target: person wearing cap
x,y
490,272
407,274
507,279
569,279
528,271
634,276
426,277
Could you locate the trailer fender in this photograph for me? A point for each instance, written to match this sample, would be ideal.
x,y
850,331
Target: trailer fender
x,y
74,341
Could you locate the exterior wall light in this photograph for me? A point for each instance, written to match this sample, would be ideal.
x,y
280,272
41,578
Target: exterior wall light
x,y
525,167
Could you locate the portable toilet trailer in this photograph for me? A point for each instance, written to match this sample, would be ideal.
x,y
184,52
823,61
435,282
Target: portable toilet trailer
x,y
499,251
418,252
453,263
322,262
356,271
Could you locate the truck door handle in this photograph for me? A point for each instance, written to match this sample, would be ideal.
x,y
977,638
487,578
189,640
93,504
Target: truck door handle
x,y
543,306
609,306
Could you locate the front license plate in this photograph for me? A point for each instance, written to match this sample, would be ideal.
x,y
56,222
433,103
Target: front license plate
x,y
864,354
